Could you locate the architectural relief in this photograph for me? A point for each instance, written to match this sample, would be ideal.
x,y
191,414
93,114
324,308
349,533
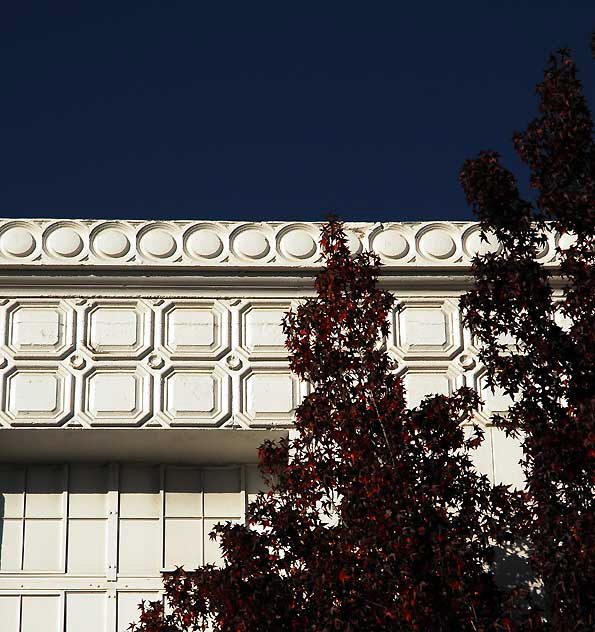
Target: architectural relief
x,y
182,243
133,396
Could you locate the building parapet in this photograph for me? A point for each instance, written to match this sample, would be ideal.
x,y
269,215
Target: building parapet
x,y
207,244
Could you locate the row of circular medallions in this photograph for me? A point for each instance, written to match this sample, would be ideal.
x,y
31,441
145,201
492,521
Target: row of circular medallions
x,y
209,242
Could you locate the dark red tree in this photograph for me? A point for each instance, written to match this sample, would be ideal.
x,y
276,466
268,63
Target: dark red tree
x,y
549,313
377,519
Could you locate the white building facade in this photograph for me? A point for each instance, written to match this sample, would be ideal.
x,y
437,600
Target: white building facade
x,y
141,365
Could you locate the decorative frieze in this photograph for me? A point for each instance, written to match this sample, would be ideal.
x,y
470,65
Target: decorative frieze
x,y
63,243
192,362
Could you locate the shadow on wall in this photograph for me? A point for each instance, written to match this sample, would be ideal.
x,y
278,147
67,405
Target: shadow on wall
x,y
56,517
98,522
512,568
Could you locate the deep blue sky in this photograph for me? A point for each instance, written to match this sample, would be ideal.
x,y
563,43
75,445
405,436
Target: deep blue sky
x,y
252,110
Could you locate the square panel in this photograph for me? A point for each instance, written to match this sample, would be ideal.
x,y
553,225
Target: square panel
x,y
196,395
38,396
119,329
213,553
117,396
183,543
269,396
40,613
86,611
43,545
261,331
139,547
198,329
482,456
419,384
128,603
426,329
190,393
86,547
39,329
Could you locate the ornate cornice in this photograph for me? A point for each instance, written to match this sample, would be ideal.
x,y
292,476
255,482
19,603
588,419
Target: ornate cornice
x,y
207,244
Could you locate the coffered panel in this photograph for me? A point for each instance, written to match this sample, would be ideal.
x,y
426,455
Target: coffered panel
x,y
261,333
197,329
269,396
116,395
38,329
426,329
40,395
119,329
196,395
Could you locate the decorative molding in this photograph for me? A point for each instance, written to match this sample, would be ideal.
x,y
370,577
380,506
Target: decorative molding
x,y
205,244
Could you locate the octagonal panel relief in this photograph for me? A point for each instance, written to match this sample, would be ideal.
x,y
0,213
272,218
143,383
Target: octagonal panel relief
x,y
427,329
119,329
39,329
196,396
117,396
261,333
269,396
199,329
423,381
37,396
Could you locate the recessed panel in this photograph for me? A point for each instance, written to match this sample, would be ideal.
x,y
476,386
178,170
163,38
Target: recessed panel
x,y
40,614
128,607
495,400
10,613
424,326
38,395
111,327
86,612
190,394
427,329
213,553
86,547
43,545
419,385
183,543
271,393
117,396
507,455
11,544
113,393
190,328
196,329
119,330
262,331
139,547
41,329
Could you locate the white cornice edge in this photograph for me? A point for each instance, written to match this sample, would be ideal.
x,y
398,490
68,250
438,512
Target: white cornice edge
x,y
151,245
